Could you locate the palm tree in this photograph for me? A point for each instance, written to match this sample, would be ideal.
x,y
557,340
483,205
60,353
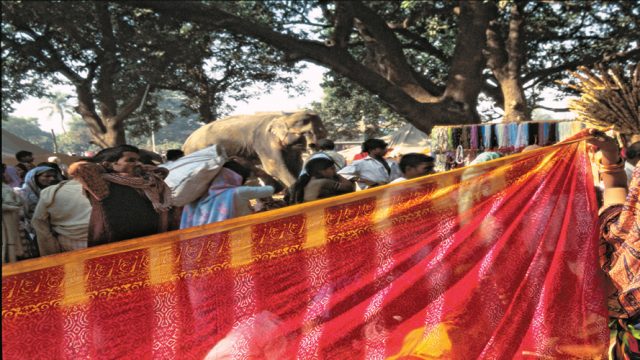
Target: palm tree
x,y
59,104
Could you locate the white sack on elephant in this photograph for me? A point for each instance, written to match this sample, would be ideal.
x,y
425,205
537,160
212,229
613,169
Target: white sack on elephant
x,y
189,177
276,139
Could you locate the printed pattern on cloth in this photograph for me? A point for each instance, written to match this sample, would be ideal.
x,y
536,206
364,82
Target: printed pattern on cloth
x,y
496,260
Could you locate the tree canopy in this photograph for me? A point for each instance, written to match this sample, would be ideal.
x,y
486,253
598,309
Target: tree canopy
x,y
430,60
116,56
427,61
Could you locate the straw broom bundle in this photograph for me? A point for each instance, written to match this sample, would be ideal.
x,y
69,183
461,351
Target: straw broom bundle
x,y
608,99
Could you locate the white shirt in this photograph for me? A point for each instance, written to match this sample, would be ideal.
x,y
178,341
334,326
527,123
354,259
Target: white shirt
x,y
400,179
61,218
372,170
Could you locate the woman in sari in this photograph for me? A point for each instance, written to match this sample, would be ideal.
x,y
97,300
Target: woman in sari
x,y
620,247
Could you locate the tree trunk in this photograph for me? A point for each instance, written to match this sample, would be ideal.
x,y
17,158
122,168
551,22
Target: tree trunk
x,y
465,77
505,56
113,135
515,105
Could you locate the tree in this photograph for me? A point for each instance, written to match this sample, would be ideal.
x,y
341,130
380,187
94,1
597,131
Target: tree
x,y
28,129
532,44
78,137
58,104
384,70
348,111
168,118
429,60
114,56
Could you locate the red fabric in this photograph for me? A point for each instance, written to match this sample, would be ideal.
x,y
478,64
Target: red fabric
x,y
360,156
496,261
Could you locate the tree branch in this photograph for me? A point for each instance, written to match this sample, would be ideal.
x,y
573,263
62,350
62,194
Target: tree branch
x,y
390,59
423,44
343,26
108,62
35,49
422,115
587,61
130,107
86,108
551,109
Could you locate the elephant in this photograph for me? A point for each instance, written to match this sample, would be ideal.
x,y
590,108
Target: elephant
x,y
276,139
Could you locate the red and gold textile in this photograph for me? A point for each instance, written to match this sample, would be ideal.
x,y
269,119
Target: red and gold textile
x,y
494,261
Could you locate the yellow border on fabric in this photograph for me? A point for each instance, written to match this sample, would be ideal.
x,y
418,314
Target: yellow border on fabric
x,y
235,225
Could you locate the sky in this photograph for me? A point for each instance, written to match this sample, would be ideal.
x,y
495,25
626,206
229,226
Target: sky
x,y
274,98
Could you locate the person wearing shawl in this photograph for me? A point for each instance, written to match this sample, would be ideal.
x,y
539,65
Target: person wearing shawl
x,y
12,235
128,199
620,247
35,180
227,197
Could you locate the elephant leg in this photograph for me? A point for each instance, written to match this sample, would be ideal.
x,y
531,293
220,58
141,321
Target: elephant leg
x,y
275,165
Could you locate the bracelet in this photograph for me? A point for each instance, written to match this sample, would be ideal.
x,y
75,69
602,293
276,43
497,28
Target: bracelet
x,y
618,165
611,171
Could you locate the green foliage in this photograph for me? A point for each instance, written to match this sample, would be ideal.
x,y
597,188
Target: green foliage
x,y
348,111
77,139
169,119
28,129
112,52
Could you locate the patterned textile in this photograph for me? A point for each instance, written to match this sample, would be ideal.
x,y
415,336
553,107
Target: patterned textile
x,y
394,272
620,251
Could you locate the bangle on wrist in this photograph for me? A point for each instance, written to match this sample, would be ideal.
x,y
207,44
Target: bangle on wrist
x,y
613,171
618,165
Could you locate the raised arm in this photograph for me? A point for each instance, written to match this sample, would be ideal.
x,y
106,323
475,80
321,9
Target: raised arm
x,y
90,176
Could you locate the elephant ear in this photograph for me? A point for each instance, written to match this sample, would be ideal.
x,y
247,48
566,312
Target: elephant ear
x,y
279,128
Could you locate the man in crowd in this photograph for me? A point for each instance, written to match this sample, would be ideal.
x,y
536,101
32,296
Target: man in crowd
x,y
25,162
128,199
61,218
374,170
414,165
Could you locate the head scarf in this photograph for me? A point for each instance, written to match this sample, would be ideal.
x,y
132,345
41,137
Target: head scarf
x,y
30,189
486,156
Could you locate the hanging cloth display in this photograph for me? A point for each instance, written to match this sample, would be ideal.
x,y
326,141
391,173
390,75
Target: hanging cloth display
x,y
465,137
541,134
513,134
474,137
552,137
522,135
545,133
487,136
450,144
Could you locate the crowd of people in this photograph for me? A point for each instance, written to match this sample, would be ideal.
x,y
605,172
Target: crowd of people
x,y
120,193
